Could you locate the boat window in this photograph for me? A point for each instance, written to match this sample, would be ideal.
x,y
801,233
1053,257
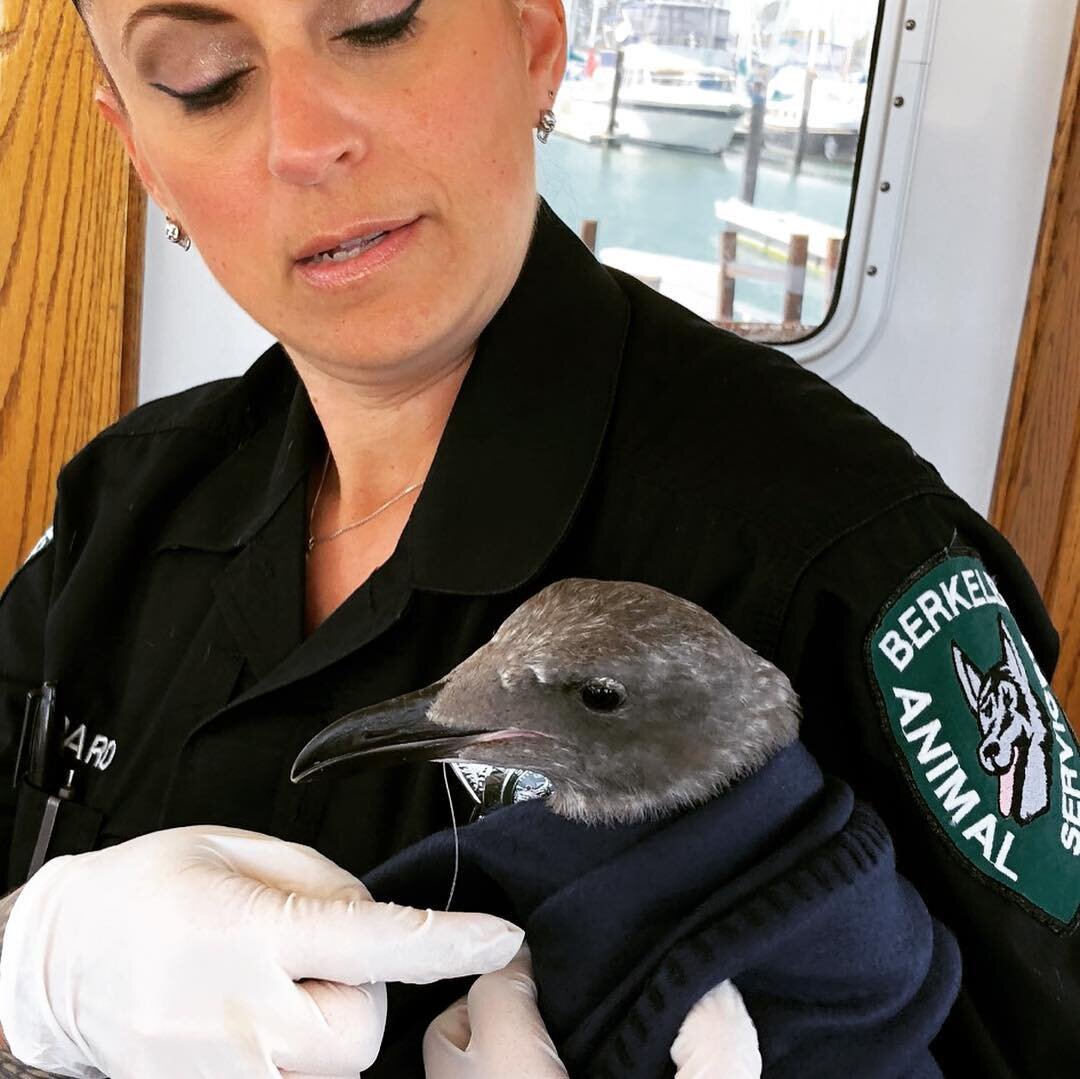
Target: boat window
x,y
711,149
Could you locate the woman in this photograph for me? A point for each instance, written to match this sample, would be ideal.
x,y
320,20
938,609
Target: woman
x,y
421,451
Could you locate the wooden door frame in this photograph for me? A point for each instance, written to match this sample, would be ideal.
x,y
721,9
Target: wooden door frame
x,y
1036,501
134,274
72,226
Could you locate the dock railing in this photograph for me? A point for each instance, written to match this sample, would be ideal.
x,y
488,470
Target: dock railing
x,y
811,244
806,242
792,275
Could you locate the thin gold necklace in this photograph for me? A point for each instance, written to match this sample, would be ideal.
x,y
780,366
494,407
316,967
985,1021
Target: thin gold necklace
x,y
313,539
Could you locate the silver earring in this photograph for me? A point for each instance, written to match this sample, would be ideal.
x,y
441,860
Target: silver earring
x,y
546,125
175,234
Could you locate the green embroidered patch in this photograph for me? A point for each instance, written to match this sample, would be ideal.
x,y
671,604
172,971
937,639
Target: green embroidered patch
x,y
987,746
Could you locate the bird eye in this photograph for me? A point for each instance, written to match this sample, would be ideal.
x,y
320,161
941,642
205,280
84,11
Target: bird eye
x,y
602,694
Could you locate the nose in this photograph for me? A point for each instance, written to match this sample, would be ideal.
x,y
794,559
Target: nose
x,y
989,751
314,125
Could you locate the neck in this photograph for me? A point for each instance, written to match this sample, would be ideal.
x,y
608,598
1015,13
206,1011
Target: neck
x,y
383,420
382,429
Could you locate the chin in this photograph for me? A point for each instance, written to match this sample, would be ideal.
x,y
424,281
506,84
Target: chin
x,y
373,338
404,316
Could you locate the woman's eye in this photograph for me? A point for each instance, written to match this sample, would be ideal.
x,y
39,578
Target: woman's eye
x,y
381,32
384,31
220,93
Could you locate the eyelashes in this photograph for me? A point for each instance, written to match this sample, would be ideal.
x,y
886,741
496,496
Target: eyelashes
x,y
384,31
373,35
203,100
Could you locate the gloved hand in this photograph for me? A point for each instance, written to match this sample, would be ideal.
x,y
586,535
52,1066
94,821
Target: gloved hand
x,y
717,1039
494,1032
212,952
497,1031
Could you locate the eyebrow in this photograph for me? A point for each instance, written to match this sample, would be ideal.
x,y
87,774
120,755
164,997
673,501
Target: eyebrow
x,y
187,11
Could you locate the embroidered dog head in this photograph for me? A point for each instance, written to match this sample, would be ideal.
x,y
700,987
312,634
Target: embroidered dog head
x,y
1015,743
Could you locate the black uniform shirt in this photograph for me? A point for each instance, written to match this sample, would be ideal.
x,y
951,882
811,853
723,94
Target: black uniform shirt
x,y
601,431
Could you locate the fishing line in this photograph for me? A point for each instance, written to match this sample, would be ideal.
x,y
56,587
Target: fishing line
x,y
453,821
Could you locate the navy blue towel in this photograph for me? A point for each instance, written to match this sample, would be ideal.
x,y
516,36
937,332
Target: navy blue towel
x,y
785,884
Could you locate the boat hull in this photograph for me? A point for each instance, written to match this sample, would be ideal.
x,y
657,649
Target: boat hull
x,y
701,128
837,144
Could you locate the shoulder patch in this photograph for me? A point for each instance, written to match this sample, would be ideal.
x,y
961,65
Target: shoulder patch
x,y
985,745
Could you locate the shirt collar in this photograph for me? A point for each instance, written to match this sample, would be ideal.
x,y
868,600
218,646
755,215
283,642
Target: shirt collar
x,y
527,426
514,459
278,437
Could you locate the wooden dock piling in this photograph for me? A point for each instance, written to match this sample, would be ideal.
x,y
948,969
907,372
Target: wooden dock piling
x,y
792,276
755,138
804,123
728,248
833,252
615,90
796,278
805,242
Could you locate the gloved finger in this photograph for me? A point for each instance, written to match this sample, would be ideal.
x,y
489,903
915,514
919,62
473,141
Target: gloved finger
x,y
245,1054
317,906
354,941
308,1075
334,1030
449,1033
506,1025
718,1039
453,1050
504,1015
445,1043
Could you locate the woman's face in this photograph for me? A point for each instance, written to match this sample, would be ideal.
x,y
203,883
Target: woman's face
x,y
323,118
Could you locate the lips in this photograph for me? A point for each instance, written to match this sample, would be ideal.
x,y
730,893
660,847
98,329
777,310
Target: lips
x,y
349,237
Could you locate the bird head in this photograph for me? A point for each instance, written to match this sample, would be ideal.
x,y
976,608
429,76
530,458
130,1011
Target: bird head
x,y
633,702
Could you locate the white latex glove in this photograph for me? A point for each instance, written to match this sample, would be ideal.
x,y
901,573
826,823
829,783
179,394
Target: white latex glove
x,y
717,1039
494,1032
497,1031
212,952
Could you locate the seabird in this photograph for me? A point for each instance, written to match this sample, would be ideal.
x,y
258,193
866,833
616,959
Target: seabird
x,y
634,702
637,705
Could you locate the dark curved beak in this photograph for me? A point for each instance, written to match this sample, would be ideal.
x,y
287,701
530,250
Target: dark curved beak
x,y
397,731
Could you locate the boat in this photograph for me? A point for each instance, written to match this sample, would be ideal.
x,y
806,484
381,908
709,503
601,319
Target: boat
x,y
835,118
674,96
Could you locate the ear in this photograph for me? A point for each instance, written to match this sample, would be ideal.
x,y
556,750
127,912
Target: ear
x,y
1010,655
115,114
967,674
543,29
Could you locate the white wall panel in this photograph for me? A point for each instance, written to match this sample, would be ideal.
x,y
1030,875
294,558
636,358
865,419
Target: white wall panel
x,y
941,369
192,331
